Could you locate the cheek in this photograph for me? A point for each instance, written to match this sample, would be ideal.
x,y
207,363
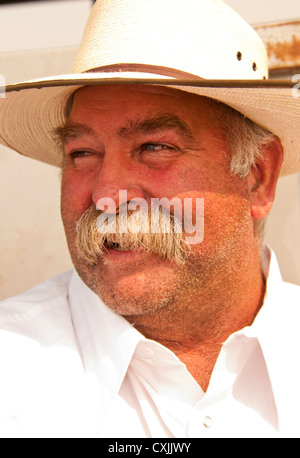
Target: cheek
x,y
76,194
227,220
172,183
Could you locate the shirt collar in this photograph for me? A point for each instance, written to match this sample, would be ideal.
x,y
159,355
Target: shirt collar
x,y
264,330
107,341
269,328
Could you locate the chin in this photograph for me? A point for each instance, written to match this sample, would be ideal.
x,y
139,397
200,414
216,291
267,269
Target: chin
x,y
139,293
139,290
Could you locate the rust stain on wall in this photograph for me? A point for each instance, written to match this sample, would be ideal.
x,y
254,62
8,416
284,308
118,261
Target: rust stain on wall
x,y
282,42
286,51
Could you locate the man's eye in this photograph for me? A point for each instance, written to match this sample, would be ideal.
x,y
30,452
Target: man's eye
x,y
76,154
156,147
81,157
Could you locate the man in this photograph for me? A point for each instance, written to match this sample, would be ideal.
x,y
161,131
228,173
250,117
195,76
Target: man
x,y
158,333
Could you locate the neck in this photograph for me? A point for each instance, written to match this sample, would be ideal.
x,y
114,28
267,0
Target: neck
x,y
196,325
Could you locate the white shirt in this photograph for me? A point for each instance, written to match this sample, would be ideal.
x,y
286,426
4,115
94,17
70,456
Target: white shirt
x,y
70,367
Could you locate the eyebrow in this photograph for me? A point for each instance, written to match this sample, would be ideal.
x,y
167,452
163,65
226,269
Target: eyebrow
x,y
72,130
156,123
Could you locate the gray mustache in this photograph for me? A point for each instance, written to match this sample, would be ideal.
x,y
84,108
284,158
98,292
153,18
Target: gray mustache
x,y
157,232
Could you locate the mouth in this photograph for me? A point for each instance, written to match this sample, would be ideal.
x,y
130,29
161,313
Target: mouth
x,y
115,246
122,255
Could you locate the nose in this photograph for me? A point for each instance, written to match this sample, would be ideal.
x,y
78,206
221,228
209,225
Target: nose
x,y
118,181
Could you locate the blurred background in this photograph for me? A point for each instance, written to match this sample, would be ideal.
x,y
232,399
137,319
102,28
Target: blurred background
x,y
40,38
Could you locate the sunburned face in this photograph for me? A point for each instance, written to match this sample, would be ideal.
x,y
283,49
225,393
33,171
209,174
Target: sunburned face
x,y
153,142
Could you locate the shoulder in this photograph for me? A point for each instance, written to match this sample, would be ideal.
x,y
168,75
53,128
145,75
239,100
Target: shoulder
x,y
280,342
49,289
285,325
282,314
53,291
39,359
292,293
40,314
289,313
282,298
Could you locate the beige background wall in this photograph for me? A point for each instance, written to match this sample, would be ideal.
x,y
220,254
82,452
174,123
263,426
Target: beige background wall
x,y
32,243
36,39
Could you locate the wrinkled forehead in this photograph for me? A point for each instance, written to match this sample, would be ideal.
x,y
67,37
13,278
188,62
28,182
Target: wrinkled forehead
x,y
145,99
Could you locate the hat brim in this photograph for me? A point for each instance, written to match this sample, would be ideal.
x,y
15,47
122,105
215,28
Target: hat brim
x,y
30,111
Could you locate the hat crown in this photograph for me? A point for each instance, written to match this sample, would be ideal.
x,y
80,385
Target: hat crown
x,y
204,38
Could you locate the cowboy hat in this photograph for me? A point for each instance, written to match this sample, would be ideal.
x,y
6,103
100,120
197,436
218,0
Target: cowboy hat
x,y
199,46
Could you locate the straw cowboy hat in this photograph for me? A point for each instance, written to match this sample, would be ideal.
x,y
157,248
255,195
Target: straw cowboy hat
x,y
199,46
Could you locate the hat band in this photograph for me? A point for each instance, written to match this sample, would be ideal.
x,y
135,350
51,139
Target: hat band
x,y
144,68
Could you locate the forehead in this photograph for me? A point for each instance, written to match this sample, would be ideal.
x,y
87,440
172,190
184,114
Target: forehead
x,y
142,100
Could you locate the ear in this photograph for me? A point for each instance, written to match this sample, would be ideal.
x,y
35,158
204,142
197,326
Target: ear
x,y
262,179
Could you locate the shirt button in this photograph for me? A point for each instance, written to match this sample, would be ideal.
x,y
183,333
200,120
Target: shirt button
x,y
207,422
